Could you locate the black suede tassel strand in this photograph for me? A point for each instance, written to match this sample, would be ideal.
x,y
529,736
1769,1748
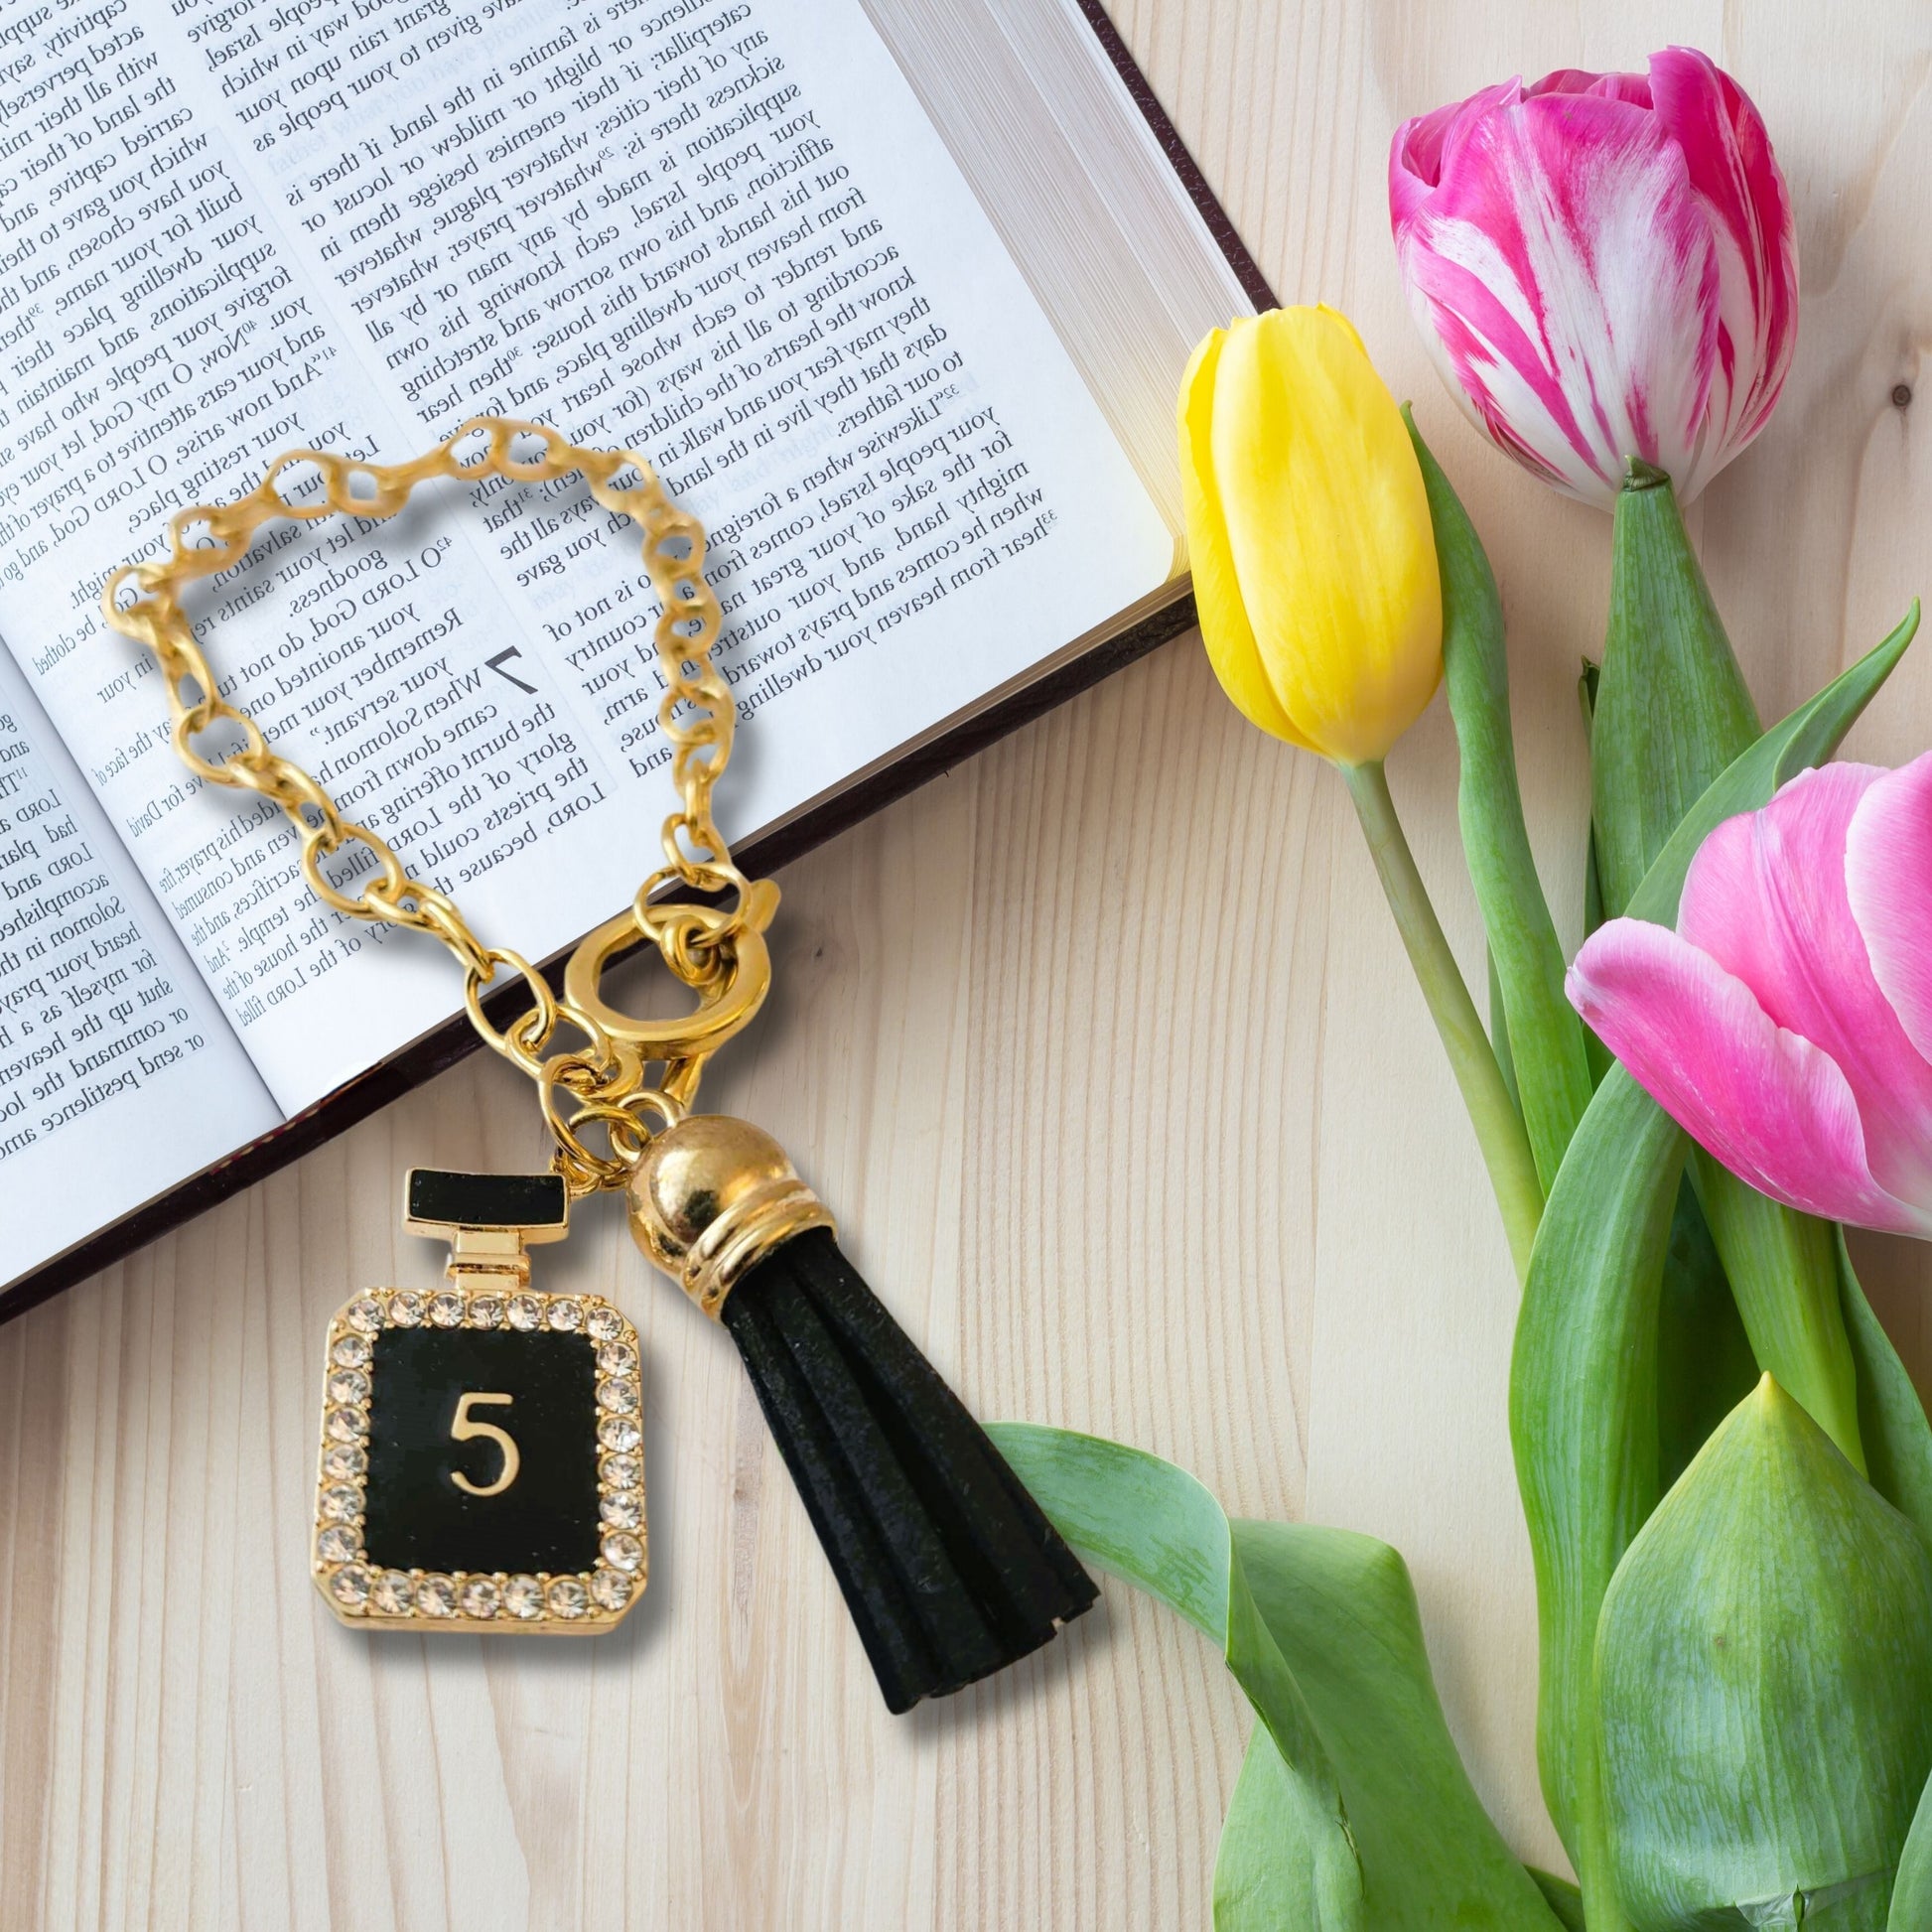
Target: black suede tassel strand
x,y
950,1568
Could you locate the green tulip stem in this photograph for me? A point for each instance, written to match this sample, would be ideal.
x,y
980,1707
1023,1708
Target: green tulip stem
x,y
1603,1910
1499,1127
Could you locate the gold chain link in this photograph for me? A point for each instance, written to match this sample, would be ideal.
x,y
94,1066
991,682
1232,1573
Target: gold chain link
x,y
701,945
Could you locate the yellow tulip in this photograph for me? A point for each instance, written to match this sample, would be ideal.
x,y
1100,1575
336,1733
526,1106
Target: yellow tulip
x,y
1314,556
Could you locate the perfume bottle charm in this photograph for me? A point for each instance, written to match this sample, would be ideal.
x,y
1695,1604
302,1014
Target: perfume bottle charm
x,y
481,1444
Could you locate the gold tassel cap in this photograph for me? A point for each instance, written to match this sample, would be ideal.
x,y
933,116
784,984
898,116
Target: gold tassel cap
x,y
711,1198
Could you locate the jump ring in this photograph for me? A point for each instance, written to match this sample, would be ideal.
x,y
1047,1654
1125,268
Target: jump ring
x,y
521,1030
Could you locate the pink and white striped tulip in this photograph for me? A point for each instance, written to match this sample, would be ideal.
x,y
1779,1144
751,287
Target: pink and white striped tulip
x,y
1603,266
1787,1023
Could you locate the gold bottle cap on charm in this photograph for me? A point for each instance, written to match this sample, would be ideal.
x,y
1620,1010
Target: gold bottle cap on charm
x,y
711,1198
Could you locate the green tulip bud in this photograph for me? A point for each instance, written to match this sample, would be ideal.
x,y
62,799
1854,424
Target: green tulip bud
x,y
1764,1687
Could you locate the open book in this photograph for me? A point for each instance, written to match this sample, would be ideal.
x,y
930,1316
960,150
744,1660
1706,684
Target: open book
x,y
895,296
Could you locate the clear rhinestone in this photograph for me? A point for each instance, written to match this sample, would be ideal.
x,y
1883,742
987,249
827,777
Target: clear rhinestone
x,y
603,1322
436,1596
480,1597
617,1358
405,1307
346,1461
446,1309
347,1425
622,1472
622,1551
565,1316
623,1511
365,1313
339,1544
351,1351
612,1588
618,1432
393,1594
567,1596
526,1312
349,1586
486,1311
619,1393
343,1504
523,1596
349,1385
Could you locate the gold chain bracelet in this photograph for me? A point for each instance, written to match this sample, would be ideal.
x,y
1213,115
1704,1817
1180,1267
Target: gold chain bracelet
x,y
719,952
951,1569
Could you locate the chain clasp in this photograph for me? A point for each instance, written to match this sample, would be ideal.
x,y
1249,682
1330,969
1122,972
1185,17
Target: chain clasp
x,y
727,1001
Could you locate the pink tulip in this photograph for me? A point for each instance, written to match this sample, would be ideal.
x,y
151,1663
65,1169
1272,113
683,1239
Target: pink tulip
x,y
1787,1023
1603,266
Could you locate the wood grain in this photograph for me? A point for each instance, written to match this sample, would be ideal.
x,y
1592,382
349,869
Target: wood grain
x,y
1106,1052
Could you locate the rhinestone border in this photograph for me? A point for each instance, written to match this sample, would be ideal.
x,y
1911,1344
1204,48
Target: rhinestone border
x,y
367,1597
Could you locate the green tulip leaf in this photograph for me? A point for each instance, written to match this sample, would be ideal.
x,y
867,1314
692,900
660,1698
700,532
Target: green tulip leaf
x,y
1154,1524
1892,1417
1563,1898
1316,1853
1343,1611
1764,1687
1911,1893
1134,1514
1783,1269
1257,1880
1582,1419
1704,1365
1542,1035
1325,1622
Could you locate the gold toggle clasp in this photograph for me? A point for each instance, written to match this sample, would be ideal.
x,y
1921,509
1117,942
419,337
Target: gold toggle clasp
x,y
727,1002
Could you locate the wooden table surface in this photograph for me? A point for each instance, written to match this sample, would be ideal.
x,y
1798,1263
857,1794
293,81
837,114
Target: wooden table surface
x,y
1105,1047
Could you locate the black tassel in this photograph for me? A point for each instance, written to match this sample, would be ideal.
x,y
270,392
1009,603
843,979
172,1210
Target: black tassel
x,y
950,1568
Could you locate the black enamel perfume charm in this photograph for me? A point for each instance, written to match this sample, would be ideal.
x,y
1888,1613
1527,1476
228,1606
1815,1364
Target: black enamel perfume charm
x,y
482,1450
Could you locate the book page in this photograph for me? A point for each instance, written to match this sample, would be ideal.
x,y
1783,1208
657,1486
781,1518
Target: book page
x,y
719,232
118,1074
1076,182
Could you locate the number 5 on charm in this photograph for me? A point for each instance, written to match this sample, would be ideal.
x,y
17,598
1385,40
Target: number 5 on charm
x,y
463,1429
